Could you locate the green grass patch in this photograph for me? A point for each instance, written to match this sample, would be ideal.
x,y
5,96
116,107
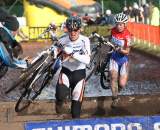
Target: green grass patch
x,y
147,47
102,30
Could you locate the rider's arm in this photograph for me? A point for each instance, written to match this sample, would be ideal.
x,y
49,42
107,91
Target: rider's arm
x,y
126,49
84,58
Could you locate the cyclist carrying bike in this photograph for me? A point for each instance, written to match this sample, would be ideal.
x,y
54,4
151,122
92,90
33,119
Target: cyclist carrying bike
x,y
119,61
73,73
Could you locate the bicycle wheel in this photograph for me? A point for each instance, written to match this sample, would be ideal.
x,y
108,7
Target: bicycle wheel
x,y
25,74
104,77
91,68
33,88
24,101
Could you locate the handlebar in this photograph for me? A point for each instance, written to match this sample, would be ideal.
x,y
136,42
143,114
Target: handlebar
x,y
103,41
49,51
46,31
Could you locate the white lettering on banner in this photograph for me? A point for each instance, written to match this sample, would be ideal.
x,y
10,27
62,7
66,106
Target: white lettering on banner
x,y
82,127
43,128
78,127
66,128
59,128
120,126
98,126
157,126
134,125
39,129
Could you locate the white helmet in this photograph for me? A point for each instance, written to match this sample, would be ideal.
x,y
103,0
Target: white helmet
x,y
108,12
121,17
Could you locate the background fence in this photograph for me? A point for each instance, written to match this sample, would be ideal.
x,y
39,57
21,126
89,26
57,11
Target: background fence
x,y
142,33
145,33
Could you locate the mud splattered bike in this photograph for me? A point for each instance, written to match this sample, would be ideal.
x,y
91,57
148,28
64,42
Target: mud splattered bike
x,y
100,55
34,79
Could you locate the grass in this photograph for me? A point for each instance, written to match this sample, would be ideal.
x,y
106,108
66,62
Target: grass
x,y
149,48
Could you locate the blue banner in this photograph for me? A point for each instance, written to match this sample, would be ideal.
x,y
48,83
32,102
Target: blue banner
x,y
119,123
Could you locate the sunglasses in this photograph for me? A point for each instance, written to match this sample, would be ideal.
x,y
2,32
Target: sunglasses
x,y
73,30
119,23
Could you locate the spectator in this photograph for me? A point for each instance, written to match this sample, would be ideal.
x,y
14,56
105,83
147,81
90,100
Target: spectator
x,y
109,18
155,16
129,12
125,10
141,16
88,19
11,48
135,13
100,20
146,13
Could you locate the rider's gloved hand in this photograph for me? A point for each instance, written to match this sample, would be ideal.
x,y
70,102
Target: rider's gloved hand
x,y
68,50
52,48
52,26
118,49
68,53
53,51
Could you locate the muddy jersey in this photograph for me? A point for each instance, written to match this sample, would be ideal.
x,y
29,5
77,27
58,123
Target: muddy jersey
x,y
122,39
81,50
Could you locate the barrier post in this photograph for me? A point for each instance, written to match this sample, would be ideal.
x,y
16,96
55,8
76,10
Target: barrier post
x,y
148,36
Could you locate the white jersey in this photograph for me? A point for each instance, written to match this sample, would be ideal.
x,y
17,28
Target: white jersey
x,y
81,50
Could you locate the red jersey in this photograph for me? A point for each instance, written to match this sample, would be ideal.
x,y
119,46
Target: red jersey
x,y
122,39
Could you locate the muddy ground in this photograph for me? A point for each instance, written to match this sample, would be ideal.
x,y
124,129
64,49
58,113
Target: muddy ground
x,y
141,96
144,76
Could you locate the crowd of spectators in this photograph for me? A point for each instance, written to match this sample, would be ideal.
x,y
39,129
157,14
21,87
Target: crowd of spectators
x,y
100,19
146,14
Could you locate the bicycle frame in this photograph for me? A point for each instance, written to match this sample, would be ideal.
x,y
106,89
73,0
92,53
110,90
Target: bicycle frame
x,y
32,89
55,64
99,64
36,62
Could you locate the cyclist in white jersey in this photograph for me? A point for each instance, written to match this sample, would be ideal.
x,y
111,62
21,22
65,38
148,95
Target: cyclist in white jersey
x,y
73,73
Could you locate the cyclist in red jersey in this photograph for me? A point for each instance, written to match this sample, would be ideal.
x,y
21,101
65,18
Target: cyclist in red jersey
x,y
119,60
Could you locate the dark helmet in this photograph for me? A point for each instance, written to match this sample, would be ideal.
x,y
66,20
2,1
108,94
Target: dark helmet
x,y
73,23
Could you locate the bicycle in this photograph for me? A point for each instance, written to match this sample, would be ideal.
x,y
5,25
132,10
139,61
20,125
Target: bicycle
x,y
39,79
35,78
34,63
99,63
36,81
